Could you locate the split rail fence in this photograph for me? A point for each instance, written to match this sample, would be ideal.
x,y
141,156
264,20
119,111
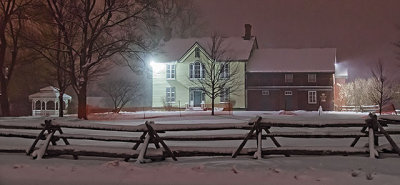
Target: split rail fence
x,y
259,129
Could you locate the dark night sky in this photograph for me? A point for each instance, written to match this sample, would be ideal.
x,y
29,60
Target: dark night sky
x,y
362,30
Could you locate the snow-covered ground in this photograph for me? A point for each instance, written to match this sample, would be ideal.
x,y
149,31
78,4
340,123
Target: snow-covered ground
x,y
21,169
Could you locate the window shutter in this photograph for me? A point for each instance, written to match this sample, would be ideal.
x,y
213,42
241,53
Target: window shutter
x,y
173,74
173,94
167,73
203,71
191,71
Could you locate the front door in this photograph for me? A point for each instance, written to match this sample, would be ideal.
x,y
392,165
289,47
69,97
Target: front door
x,y
197,98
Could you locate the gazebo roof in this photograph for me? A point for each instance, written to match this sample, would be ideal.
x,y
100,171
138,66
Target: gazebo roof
x,y
48,92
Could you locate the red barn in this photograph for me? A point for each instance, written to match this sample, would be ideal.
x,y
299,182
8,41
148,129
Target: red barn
x,y
291,79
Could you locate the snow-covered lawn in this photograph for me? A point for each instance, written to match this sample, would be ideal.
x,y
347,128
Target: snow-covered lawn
x,y
21,169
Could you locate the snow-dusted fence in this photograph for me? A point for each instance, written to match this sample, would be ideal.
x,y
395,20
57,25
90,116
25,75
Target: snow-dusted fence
x,y
362,108
374,126
153,133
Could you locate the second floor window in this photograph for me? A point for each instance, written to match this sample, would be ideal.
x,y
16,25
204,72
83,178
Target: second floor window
x,y
288,77
312,77
196,70
224,70
170,95
224,95
171,71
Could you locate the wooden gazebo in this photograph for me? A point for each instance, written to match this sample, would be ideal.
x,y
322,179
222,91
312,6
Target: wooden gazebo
x,y
46,102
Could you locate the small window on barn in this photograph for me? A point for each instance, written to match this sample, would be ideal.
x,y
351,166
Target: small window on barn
x,y
312,77
265,92
288,77
288,93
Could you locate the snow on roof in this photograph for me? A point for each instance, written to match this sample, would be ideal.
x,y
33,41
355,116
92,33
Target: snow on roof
x,y
293,60
235,48
48,92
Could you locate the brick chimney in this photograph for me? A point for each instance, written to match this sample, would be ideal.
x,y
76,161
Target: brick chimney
x,y
247,32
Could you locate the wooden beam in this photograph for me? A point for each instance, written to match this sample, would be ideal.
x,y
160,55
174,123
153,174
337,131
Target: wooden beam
x,y
358,137
32,147
159,140
311,123
372,152
391,141
156,127
250,134
277,144
98,137
143,149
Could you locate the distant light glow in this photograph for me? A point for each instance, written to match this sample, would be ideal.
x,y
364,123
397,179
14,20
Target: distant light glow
x,y
157,67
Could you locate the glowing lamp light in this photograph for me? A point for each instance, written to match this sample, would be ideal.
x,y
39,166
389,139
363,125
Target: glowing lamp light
x,y
157,67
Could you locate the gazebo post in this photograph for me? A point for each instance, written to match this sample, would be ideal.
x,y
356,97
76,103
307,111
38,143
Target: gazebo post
x,y
55,107
33,108
45,108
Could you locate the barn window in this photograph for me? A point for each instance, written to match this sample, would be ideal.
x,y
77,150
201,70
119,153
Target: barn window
x,y
312,97
288,77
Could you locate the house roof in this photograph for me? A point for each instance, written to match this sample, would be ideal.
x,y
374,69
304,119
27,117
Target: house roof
x,y
293,60
49,92
235,48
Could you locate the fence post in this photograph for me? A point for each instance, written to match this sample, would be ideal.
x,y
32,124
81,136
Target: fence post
x,y
144,114
180,113
372,123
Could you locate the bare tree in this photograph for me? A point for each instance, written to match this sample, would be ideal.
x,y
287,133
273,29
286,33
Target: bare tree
x,y
381,93
189,24
177,18
121,92
357,93
220,73
94,31
48,44
14,18
168,19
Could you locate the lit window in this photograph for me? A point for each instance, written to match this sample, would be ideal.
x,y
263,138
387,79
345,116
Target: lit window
x,y
224,70
196,70
265,92
170,94
224,95
288,93
171,71
312,77
288,77
312,97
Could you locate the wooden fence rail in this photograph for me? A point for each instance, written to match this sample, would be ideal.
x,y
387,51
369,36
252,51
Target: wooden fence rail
x,y
259,129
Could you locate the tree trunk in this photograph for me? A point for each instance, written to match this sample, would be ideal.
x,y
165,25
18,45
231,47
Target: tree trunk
x,y
5,104
82,106
61,104
212,105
